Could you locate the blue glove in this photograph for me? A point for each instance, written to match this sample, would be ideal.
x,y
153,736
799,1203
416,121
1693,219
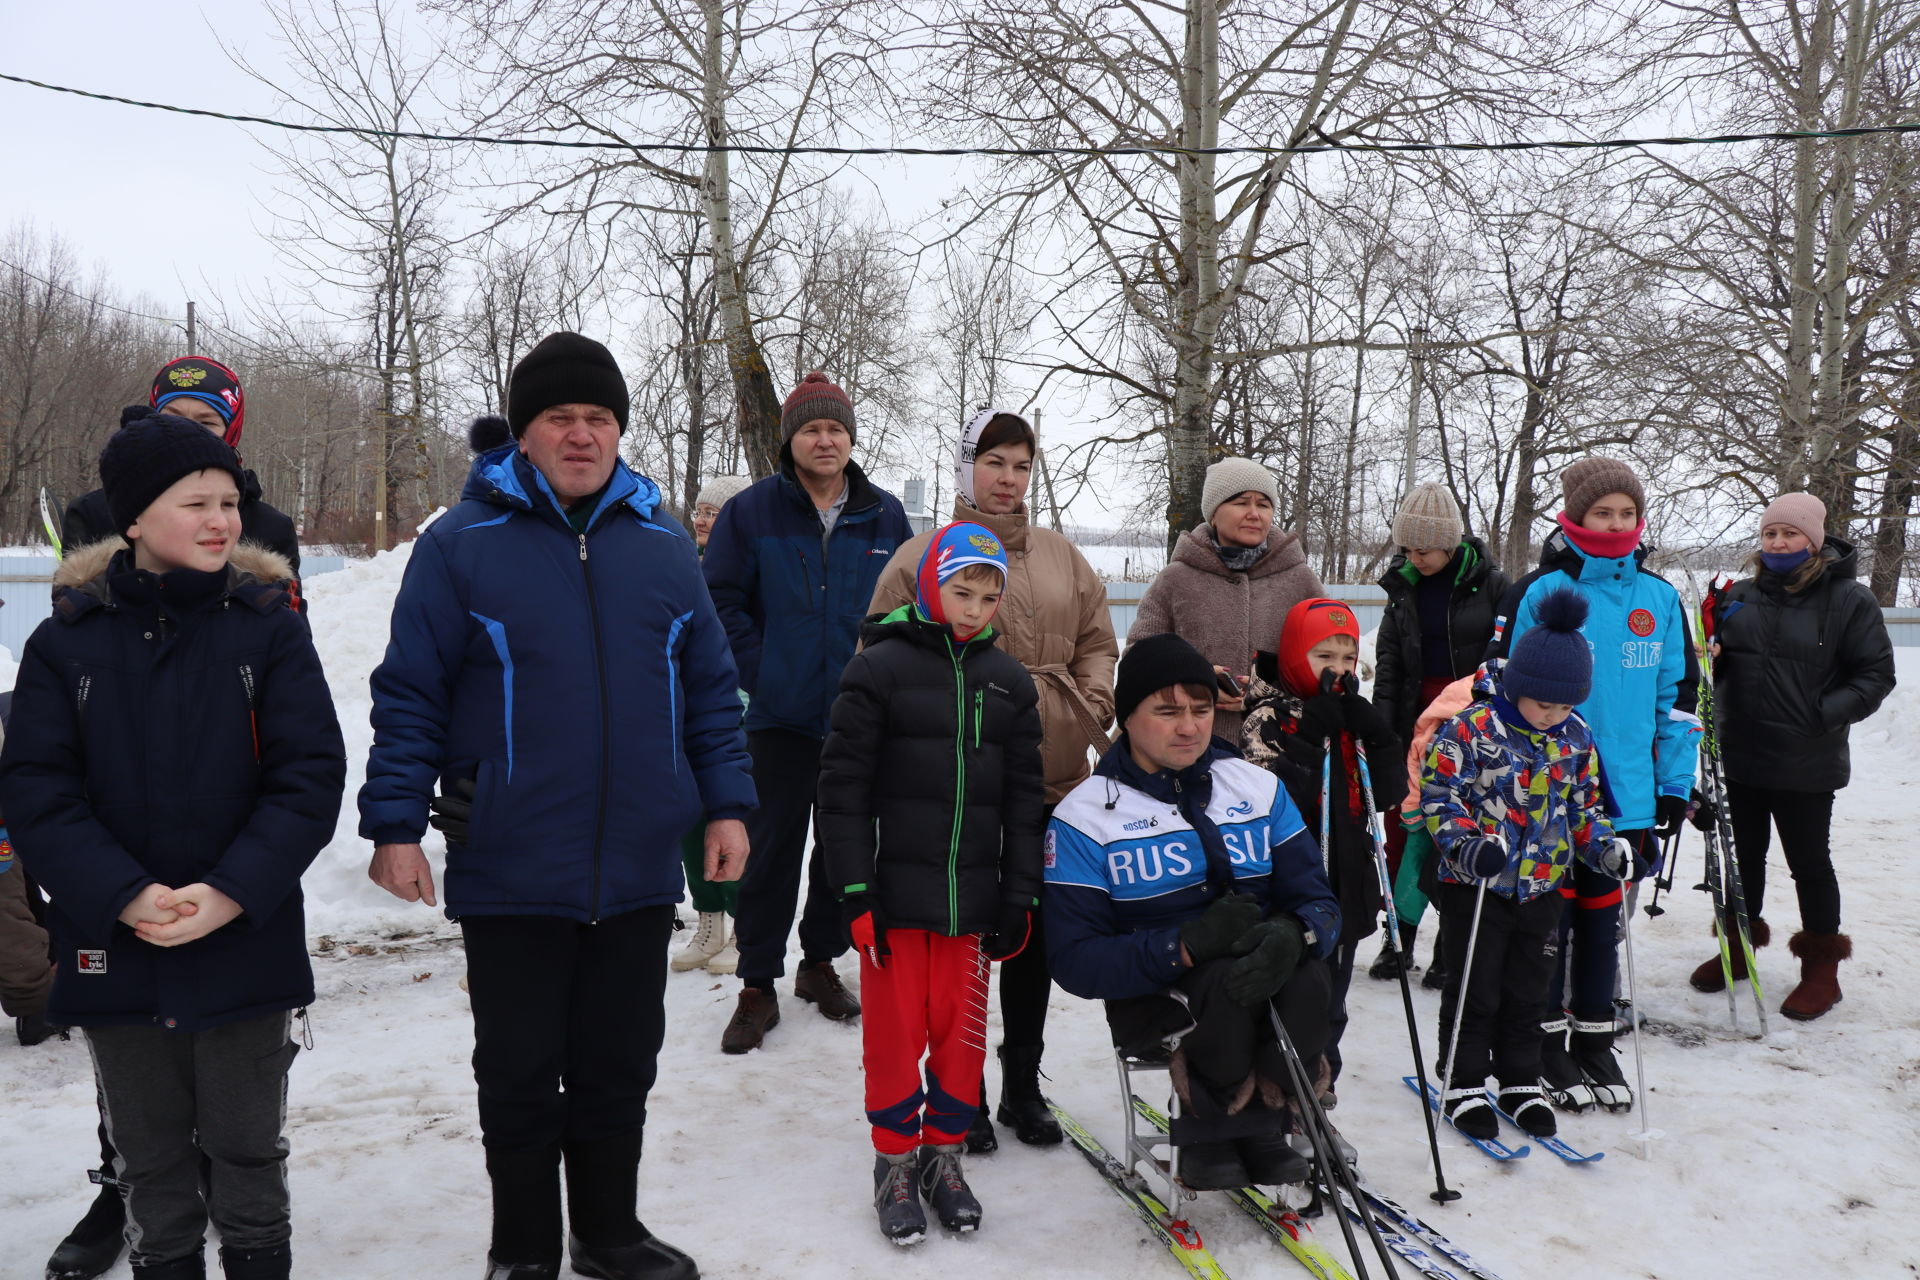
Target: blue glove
x,y
1484,856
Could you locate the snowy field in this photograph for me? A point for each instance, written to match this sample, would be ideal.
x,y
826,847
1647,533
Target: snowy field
x,y
1783,1159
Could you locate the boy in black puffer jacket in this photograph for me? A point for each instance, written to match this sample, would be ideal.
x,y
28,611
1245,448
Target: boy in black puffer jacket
x,y
173,767
931,807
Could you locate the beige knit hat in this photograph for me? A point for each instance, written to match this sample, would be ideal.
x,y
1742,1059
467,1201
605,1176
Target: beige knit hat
x,y
1231,476
1429,520
1591,479
1801,510
718,489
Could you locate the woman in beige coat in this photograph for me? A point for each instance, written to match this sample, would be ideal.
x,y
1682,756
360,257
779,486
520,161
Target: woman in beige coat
x,y
1230,582
1053,619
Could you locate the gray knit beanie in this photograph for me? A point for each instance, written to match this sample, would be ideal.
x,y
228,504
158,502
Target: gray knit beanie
x,y
1429,520
1591,479
1231,476
718,489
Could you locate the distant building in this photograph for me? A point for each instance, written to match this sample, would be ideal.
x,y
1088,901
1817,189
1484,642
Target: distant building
x,y
914,499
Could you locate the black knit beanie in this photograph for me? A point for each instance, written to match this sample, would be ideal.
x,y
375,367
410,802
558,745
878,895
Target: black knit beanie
x,y
1156,663
564,368
488,432
150,452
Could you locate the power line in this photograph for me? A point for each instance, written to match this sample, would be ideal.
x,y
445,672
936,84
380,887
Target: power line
x,y
1325,144
87,298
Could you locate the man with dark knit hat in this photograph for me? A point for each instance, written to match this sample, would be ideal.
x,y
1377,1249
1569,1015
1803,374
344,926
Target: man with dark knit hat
x,y
557,671
208,393
1183,889
792,563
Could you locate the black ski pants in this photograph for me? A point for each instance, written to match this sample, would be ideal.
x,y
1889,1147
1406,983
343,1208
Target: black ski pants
x,y
1226,1040
786,775
568,1019
1506,987
1025,988
1805,820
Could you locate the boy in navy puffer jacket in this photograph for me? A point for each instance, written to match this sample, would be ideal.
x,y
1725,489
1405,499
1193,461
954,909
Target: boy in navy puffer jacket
x,y
1512,795
174,766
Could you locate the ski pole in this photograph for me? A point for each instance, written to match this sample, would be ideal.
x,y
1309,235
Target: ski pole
x,y
1669,853
1334,1172
1460,1001
1647,1132
1441,1192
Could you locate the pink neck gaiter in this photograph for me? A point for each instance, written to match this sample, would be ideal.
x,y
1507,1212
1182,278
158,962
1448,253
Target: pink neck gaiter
x,y
1604,546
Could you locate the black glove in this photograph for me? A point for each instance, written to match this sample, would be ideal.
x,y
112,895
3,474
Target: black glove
x,y
1279,946
1322,716
1483,856
1011,929
1218,930
866,927
1704,814
1364,720
452,809
1668,813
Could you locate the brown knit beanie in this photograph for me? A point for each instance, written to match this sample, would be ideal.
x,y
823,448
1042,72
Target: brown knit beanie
x,y
1591,479
1801,510
815,397
1429,520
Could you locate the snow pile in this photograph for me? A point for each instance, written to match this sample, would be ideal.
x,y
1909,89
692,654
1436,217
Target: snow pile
x,y
349,610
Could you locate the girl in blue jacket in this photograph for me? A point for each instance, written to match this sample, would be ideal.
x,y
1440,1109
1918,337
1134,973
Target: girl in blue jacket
x,y
1641,712
173,767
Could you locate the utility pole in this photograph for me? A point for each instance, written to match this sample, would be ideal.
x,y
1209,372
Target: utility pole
x,y
1046,475
193,332
1418,338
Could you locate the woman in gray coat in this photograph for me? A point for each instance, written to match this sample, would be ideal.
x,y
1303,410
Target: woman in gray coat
x,y
1230,582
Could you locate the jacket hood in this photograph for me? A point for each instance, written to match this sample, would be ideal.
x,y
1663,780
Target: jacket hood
x,y
1284,551
505,478
1012,529
82,574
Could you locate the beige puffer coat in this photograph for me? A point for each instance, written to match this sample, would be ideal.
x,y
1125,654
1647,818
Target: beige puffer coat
x,y
1054,620
1226,614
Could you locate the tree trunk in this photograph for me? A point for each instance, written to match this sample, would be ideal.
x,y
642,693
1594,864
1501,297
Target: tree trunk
x,y
1197,313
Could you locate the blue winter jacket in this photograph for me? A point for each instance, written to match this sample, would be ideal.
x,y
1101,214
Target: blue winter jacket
x,y
582,681
176,730
793,601
1125,865
1645,680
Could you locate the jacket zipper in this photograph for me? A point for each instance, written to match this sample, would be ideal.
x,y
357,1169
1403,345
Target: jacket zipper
x,y
606,729
253,716
979,705
959,790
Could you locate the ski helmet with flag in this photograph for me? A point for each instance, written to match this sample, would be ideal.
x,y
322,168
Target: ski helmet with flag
x,y
953,548
209,381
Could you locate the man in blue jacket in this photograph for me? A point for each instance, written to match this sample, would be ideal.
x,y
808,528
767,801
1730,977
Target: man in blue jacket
x,y
1183,889
792,563
556,668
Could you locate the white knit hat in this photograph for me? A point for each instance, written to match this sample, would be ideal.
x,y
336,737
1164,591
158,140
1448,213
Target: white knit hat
x,y
718,489
1232,476
1429,520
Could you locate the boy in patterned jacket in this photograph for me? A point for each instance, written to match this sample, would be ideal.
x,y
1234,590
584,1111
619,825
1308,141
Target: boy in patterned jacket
x,y
1512,796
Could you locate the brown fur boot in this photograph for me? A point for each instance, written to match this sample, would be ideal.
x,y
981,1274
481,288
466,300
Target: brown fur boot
x,y
1708,976
1819,990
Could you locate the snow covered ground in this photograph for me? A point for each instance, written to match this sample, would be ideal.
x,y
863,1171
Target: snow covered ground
x,y
1781,1159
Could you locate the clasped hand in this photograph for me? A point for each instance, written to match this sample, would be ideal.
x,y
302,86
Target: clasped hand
x,y
167,917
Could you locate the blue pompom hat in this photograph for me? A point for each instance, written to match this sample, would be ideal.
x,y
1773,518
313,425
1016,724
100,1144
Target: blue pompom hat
x,y
1552,661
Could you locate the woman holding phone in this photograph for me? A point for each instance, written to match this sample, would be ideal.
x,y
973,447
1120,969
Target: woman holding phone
x,y
1230,583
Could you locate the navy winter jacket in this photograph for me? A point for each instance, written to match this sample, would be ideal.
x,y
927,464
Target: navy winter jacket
x,y
582,681
172,730
793,601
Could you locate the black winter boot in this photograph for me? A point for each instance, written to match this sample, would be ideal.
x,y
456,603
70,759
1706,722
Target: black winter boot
x,y
1387,965
981,1139
191,1267
498,1270
648,1259
1022,1105
944,1184
896,1197
275,1263
95,1242
1211,1166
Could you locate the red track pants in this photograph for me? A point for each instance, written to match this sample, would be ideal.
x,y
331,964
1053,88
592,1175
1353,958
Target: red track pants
x,y
930,1000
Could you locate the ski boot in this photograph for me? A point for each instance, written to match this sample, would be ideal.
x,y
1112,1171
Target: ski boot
x,y
896,1197
1592,1051
1469,1111
1527,1104
1560,1076
944,1185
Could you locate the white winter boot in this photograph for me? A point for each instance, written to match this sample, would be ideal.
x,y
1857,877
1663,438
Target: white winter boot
x,y
707,940
727,959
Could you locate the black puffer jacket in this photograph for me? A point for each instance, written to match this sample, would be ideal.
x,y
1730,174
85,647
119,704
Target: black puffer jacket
x,y
1478,585
1795,671
931,792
